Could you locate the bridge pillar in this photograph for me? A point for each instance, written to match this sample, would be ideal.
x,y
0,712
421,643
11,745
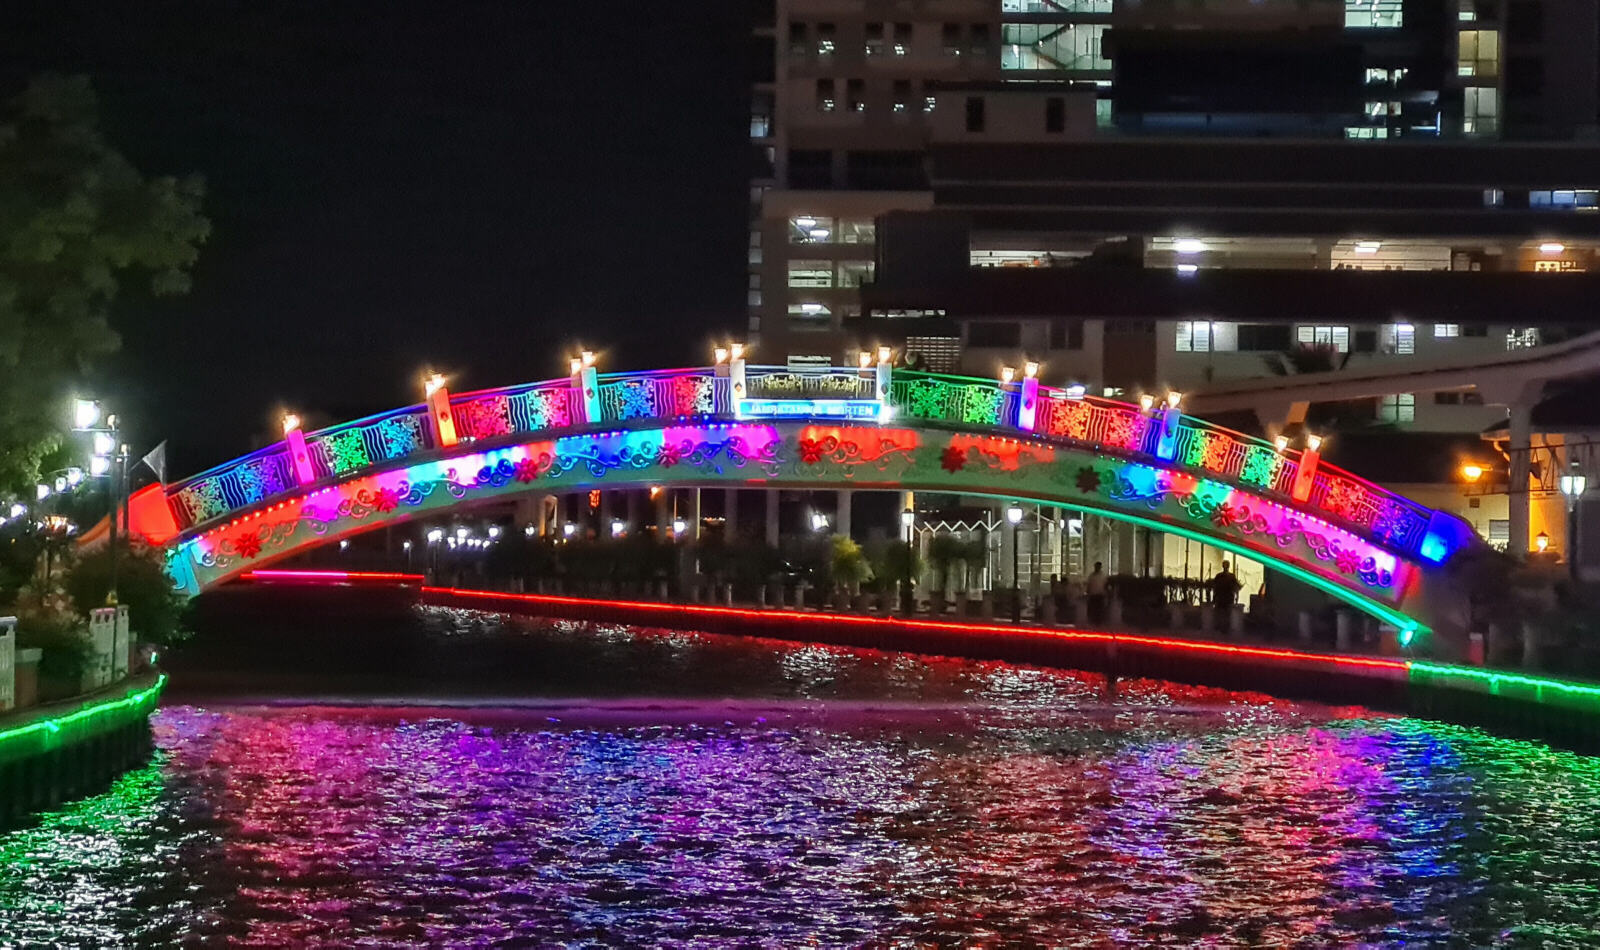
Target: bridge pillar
x,y
694,515
772,517
730,513
841,516
632,502
1521,472
664,514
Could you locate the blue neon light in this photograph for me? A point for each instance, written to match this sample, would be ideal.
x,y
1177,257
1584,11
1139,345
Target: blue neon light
x,y
870,409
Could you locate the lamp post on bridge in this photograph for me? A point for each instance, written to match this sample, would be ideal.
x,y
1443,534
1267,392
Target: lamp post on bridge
x,y
908,521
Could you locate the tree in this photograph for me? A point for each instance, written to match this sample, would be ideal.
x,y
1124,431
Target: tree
x,y
75,218
156,611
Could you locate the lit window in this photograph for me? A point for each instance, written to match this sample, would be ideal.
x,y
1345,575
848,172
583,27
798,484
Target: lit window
x,y
1522,339
1203,336
1374,14
855,273
1444,330
1336,337
808,229
1494,197
1398,407
1054,46
1478,53
927,104
1565,199
810,310
856,231
1400,338
810,274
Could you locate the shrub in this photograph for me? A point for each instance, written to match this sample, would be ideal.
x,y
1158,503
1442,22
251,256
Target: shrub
x,y
156,611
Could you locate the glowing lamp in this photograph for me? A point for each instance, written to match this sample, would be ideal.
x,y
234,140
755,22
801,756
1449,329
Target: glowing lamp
x,y
1188,246
74,477
1541,542
679,526
1188,270
1471,472
569,529
1281,443
1552,247
1014,514
1174,399
865,359
618,527
1368,247
819,521
18,509
1406,637
1314,443
907,518
61,483
435,535
530,531
884,353
1030,369
461,534
721,354
100,466
344,545
85,413
494,531
1146,402
1077,391
291,422
736,351
432,383
42,491
1574,483
105,443
588,358
405,545
1007,374
576,365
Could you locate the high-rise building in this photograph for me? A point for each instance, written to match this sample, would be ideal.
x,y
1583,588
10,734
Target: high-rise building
x,y
866,102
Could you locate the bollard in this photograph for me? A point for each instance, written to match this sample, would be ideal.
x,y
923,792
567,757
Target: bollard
x,y
1303,627
986,605
1344,625
1475,649
727,594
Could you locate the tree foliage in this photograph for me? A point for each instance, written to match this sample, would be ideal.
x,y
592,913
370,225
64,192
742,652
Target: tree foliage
x,y
76,219
156,612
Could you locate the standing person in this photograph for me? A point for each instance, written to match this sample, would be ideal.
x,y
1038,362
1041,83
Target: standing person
x,y
1095,588
1224,591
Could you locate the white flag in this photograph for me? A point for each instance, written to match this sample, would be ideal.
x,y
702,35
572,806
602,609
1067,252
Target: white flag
x,y
157,460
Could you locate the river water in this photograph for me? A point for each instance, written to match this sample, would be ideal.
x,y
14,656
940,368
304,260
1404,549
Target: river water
x,y
544,784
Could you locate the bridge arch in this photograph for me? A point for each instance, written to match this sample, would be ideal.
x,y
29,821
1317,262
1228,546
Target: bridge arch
x,y
771,428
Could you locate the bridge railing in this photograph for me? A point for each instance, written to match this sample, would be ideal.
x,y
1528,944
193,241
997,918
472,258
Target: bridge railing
x,y
1117,428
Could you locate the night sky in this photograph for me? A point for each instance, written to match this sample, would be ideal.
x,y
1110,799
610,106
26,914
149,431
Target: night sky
x,y
471,185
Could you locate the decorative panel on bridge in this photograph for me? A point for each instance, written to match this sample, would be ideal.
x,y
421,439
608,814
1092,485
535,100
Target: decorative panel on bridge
x,y
1146,464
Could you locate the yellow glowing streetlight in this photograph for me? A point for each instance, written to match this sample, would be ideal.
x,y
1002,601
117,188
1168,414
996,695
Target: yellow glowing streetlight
x,y
1471,471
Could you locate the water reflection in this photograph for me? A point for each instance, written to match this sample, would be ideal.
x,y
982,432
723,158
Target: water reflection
x,y
722,791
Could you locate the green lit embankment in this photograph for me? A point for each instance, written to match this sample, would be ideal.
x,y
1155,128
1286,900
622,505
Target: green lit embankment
x,y
58,751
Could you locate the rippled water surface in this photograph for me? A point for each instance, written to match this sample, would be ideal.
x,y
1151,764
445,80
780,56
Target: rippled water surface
x,y
667,789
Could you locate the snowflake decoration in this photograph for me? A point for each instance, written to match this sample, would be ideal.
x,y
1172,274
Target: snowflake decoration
x,y
1071,419
1349,561
247,544
485,418
981,405
925,399
204,500
526,470
1123,429
953,459
1195,452
346,451
387,499
549,409
692,395
1088,480
1260,465
636,399
1343,498
399,436
258,479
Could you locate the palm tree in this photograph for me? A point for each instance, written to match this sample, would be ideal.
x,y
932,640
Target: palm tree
x,y
1306,358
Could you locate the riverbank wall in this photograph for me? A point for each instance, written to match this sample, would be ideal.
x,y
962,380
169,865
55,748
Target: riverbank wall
x,y
1563,712
62,750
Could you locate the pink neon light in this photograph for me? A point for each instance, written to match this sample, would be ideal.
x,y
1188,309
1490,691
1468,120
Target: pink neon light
x,y
273,575
1165,643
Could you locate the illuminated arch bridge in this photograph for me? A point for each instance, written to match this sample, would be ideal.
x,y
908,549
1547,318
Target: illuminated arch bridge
x,y
876,427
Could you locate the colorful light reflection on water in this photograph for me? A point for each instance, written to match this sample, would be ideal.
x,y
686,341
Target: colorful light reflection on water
x,y
841,797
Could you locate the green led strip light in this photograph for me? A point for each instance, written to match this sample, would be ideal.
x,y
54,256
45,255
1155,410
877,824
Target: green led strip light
x,y
1533,689
45,734
1408,626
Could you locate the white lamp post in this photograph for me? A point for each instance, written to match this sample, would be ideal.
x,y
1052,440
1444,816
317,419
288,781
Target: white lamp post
x,y
1014,518
1572,486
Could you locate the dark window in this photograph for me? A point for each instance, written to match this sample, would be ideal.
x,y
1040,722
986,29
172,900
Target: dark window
x,y
1066,334
1366,341
798,46
952,39
1055,114
810,168
854,95
825,95
1525,21
1264,337
997,334
1474,329
980,38
1447,399
974,113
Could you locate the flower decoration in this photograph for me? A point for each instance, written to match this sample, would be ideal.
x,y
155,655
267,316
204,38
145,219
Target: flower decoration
x,y
953,459
1088,480
247,544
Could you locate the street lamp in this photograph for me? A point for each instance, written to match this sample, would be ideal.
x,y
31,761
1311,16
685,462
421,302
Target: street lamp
x,y
819,522
618,526
1573,485
908,521
109,460
1014,518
